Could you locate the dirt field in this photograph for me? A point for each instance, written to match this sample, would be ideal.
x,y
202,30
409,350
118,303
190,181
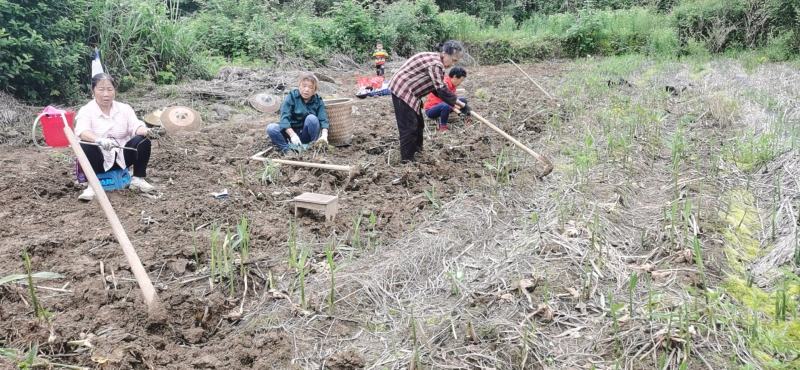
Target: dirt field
x,y
462,260
63,235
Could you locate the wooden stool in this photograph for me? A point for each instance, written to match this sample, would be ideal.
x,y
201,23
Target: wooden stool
x,y
319,202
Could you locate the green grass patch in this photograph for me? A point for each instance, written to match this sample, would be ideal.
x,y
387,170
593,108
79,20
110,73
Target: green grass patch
x,y
769,319
750,151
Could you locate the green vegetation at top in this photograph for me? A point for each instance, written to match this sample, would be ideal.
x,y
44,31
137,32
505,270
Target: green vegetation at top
x,y
45,45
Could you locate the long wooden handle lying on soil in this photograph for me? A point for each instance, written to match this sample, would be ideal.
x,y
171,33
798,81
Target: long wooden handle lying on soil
x,y
324,166
148,291
548,166
260,157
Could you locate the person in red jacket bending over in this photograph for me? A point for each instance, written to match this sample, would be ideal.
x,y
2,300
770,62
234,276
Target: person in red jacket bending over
x,y
436,108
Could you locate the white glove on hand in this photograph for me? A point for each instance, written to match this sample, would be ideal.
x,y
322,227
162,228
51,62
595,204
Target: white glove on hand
x,y
105,143
155,132
323,137
295,139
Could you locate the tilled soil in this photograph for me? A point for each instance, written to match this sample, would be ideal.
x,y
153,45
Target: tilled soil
x,y
98,300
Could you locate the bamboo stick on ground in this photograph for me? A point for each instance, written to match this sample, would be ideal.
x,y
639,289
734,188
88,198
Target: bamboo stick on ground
x,y
260,157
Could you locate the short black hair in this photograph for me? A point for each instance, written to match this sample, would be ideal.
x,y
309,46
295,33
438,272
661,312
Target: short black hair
x,y
457,72
103,76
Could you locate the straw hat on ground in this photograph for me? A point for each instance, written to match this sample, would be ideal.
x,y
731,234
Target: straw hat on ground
x,y
154,118
265,103
180,118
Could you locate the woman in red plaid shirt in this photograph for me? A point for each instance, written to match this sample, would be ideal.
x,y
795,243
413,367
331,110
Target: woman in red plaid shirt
x,y
420,75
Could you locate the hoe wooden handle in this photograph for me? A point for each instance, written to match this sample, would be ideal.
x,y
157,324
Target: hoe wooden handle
x,y
260,157
548,166
325,166
139,273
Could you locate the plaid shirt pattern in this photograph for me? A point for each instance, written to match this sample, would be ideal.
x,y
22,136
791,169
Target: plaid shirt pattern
x,y
421,74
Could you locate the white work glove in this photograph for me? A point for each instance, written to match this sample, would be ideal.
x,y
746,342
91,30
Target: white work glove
x,y
295,139
105,143
323,137
155,132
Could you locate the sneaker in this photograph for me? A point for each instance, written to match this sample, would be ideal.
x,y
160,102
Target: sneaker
x,y
138,183
87,195
443,128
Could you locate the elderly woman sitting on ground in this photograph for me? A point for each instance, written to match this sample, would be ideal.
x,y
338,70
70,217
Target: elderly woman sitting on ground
x,y
302,117
107,126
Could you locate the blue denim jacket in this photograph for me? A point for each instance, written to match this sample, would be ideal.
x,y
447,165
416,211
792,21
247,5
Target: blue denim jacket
x,y
295,110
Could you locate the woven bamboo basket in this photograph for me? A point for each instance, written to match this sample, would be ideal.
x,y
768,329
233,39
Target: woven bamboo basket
x,y
340,119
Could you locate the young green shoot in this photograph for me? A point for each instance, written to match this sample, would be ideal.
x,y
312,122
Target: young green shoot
x,y
455,280
431,196
38,311
301,275
243,243
292,242
270,174
329,250
632,283
502,167
372,235
355,236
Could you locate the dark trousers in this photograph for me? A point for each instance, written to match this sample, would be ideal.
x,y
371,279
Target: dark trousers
x,y
442,111
138,159
379,69
410,125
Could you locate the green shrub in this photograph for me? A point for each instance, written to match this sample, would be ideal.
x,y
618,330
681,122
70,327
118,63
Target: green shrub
x,y
785,15
408,27
354,28
42,54
227,38
555,25
500,51
460,26
275,37
723,24
607,32
142,38
585,36
717,23
663,42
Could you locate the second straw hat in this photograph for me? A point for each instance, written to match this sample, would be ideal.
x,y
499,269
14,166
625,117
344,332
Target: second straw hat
x,y
180,118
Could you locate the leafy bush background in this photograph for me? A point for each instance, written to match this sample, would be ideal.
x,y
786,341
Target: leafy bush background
x,y
45,45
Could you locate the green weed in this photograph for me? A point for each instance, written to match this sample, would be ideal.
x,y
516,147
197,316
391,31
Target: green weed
x,y
751,151
221,259
300,267
329,250
292,243
243,244
633,282
430,195
270,174
355,234
503,167
38,311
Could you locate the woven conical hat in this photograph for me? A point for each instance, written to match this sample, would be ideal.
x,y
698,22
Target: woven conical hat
x,y
154,118
180,118
265,103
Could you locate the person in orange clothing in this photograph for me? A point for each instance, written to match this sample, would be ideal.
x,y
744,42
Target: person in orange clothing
x,y
380,56
436,108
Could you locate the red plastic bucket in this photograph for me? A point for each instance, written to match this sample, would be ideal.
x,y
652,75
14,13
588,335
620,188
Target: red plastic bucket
x,y
52,122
